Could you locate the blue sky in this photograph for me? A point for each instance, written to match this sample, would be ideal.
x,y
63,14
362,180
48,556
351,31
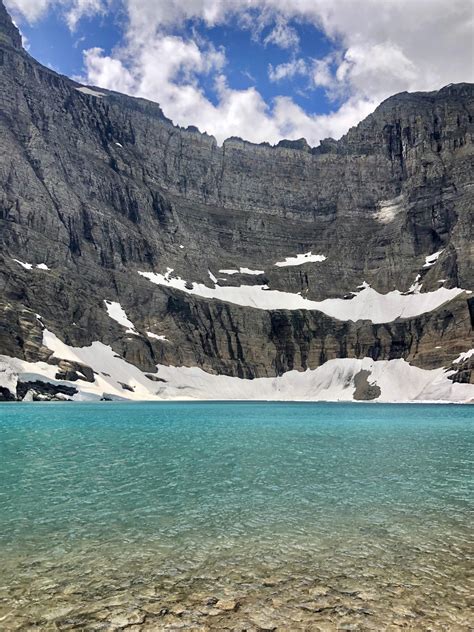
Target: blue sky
x,y
54,44
259,69
248,58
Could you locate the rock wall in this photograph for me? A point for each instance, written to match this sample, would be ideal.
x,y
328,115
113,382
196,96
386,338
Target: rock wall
x,y
96,186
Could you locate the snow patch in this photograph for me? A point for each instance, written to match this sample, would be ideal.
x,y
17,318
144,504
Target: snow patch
x,y
415,287
117,313
30,266
299,260
212,277
90,92
367,304
119,145
430,260
464,356
156,336
250,271
243,271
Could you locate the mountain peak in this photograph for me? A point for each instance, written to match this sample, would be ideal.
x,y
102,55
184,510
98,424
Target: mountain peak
x,y
9,34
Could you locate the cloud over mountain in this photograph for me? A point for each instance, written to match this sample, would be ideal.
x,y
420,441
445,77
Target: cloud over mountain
x,y
376,49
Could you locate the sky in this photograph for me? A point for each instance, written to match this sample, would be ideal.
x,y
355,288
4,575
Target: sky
x,y
262,70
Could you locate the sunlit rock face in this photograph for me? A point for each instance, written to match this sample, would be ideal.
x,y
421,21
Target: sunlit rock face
x,y
241,260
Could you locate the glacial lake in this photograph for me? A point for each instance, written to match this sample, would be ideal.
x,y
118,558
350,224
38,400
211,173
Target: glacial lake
x,y
213,516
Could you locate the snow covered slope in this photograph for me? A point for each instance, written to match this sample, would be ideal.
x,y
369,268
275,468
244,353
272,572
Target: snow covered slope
x,y
336,380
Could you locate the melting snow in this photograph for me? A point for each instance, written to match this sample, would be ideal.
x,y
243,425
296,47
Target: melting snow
x,y
300,259
367,304
333,381
117,313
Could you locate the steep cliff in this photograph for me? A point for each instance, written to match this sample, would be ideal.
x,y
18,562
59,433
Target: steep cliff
x,y
249,261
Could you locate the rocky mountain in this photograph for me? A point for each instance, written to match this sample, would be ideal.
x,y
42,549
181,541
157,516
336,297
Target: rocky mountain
x,y
143,260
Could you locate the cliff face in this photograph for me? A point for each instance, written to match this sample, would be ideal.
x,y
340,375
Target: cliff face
x,y
96,187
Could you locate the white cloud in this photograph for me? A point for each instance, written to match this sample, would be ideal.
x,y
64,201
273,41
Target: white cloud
x,y
322,71
288,70
30,9
73,10
107,72
379,47
80,8
283,35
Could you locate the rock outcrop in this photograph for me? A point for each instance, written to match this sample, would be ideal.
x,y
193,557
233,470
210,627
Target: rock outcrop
x,y
96,187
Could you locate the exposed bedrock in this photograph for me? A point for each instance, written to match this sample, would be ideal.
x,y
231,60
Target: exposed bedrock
x,y
96,186
232,340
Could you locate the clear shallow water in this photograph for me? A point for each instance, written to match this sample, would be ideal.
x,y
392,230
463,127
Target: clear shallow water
x,y
293,516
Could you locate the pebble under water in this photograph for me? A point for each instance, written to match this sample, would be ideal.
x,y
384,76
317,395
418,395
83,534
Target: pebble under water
x,y
235,516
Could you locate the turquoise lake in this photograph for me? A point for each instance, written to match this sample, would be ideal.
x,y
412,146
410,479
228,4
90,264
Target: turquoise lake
x,y
256,516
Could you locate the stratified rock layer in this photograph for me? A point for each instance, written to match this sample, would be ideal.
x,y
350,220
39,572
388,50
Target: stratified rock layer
x,y
96,186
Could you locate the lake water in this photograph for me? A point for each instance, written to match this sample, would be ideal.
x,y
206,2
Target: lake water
x,y
235,516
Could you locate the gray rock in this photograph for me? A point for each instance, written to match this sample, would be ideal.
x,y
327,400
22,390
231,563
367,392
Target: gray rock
x,y
101,187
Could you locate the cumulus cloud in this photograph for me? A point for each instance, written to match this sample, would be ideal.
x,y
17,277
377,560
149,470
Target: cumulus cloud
x,y
379,47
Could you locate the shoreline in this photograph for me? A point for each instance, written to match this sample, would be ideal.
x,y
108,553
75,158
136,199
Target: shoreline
x,y
245,401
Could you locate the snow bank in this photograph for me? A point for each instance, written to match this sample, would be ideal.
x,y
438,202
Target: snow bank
x,y
367,304
8,375
333,381
117,313
300,259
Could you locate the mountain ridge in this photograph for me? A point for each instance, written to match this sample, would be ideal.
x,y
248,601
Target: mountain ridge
x,y
223,258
